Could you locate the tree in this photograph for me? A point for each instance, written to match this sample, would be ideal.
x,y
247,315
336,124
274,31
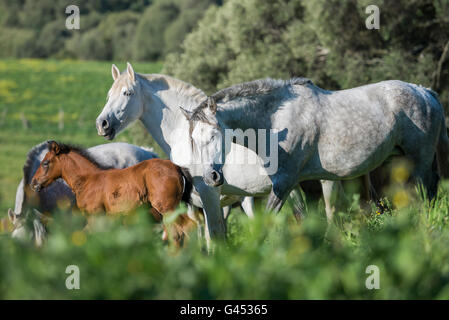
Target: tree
x,y
149,40
325,40
241,41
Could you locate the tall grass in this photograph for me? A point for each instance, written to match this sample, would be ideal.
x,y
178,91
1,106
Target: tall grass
x,y
271,257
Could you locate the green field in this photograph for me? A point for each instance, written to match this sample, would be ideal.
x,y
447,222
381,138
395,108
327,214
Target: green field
x,y
38,91
271,257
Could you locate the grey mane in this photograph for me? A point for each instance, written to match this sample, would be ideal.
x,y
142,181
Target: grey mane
x,y
247,89
257,87
32,157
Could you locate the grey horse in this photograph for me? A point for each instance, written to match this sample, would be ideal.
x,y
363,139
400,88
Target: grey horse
x,y
326,135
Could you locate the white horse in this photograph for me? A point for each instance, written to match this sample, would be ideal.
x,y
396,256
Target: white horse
x,y
155,100
29,204
331,135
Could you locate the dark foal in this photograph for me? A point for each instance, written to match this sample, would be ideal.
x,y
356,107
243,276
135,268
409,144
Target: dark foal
x,y
156,182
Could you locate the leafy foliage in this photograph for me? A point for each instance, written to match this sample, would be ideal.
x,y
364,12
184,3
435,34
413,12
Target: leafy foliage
x,y
270,257
119,29
326,41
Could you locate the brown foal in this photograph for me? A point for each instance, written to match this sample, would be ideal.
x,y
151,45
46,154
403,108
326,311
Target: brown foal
x,y
156,182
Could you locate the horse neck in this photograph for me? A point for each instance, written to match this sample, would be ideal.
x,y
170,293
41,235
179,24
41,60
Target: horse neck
x,y
243,114
75,168
162,97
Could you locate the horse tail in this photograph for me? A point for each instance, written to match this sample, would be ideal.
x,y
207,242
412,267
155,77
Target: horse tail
x,y
188,184
443,152
434,94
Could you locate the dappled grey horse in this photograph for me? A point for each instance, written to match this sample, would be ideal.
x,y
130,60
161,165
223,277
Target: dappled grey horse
x,y
29,204
331,135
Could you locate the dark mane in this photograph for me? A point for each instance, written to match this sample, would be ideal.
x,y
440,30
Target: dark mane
x,y
31,157
66,148
257,87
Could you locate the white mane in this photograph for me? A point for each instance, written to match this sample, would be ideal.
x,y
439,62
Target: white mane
x,y
182,88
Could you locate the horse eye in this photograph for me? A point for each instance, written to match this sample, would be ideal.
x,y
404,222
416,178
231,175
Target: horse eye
x,y
45,164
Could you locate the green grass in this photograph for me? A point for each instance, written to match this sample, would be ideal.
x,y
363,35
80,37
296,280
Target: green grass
x,y
268,258
271,257
39,89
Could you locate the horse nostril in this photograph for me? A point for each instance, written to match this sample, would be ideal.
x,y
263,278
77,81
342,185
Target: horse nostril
x,y
105,124
215,175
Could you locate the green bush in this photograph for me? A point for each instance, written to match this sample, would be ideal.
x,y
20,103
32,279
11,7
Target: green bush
x,y
270,257
18,43
326,41
241,41
52,38
149,40
122,29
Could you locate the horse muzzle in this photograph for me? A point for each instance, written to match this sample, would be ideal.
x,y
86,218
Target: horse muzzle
x,y
109,135
105,129
35,186
213,178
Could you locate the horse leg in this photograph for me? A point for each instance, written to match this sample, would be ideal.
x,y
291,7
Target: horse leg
x,y
248,206
329,191
428,176
277,197
226,212
332,191
296,201
213,215
371,193
89,223
194,215
425,165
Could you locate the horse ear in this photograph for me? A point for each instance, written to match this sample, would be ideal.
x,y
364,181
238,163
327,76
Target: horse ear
x,y
39,233
130,70
212,105
115,72
54,146
188,114
42,217
12,215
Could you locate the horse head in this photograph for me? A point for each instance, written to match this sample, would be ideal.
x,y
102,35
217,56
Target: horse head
x,y
50,168
29,226
207,141
124,104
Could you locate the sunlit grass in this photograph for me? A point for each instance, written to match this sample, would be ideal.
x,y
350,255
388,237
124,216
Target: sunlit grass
x,y
270,257
38,90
